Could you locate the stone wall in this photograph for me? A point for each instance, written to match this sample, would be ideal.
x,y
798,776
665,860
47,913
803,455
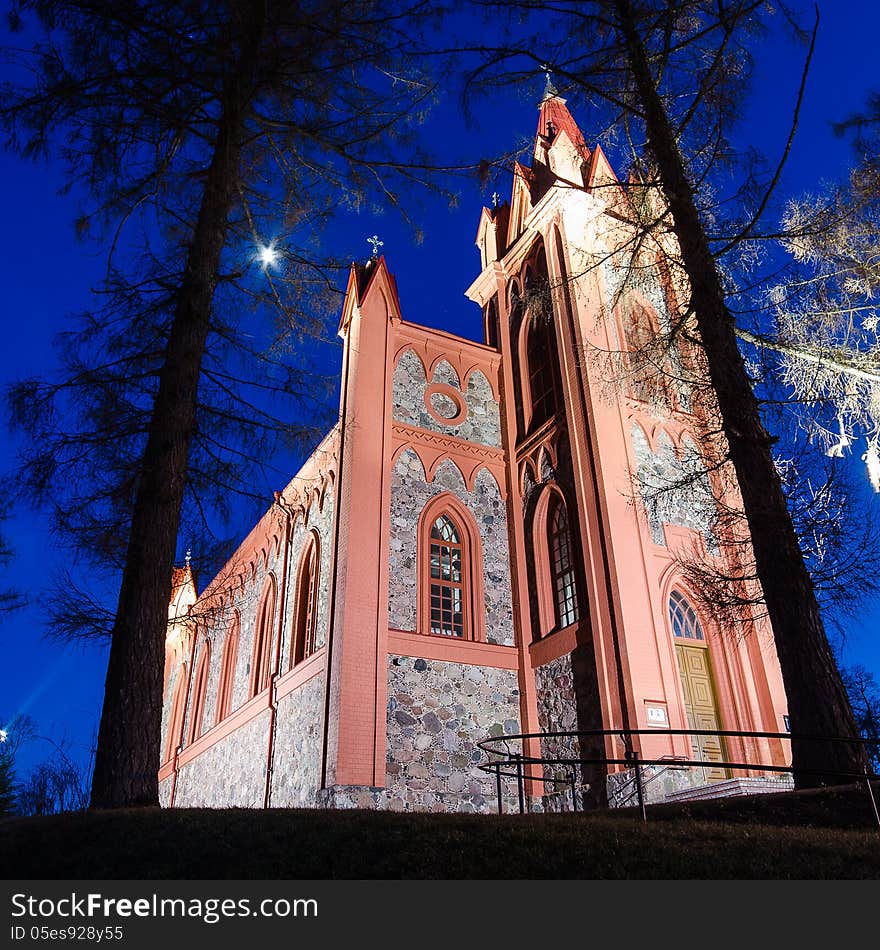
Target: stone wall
x,y
165,791
437,712
482,421
557,712
410,492
231,773
298,782
296,766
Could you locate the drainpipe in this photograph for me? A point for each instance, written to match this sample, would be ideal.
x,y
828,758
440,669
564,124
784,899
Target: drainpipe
x,y
273,682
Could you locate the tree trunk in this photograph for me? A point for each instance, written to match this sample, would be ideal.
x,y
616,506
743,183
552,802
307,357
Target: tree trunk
x,y
128,753
817,700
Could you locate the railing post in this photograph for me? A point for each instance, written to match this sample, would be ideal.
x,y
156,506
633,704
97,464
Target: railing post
x,y
519,782
574,801
871,796
498,786
639,789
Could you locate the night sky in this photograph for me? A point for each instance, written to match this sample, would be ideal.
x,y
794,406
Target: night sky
x,y
45,275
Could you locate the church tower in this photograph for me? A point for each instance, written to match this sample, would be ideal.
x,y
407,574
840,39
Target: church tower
x,y
615,638
466,556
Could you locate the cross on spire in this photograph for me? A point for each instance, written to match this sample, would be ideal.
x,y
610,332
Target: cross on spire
x,y
374,240
549,88
495,199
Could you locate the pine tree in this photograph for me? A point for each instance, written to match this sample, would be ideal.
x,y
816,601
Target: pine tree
x,y
193,126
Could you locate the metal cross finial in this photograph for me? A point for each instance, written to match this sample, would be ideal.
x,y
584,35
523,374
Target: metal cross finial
x,y
495,199
549,88
374,240
189,555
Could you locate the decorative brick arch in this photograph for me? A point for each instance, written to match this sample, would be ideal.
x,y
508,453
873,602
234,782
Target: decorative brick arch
x,y
473,599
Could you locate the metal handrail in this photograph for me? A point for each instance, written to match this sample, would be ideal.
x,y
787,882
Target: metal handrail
x,y
632,758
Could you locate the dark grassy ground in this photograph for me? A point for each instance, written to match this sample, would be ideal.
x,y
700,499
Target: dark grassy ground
x,y
807,835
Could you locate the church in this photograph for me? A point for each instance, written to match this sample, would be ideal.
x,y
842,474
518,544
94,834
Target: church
x,y
471,551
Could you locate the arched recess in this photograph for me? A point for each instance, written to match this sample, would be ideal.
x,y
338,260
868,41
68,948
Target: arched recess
x,y
491,333
558,589
305,617
540,384
199,692
650,373
178,707
228,660
698,680
263,656
451,598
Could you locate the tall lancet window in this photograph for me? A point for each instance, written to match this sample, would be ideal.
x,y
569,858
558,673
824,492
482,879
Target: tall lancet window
x,y
450,600
543,374
228,662
306,619
565,599
447,579
263,658
199,693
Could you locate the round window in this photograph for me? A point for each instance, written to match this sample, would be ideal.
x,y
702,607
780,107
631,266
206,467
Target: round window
x,y
445,404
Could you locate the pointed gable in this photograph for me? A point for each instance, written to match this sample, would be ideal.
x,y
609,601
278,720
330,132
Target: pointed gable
x,y
365,280
492,233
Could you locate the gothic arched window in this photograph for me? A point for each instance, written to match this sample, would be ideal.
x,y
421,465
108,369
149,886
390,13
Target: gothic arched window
x,y
199,692
537,351
263,660
556,576
450,598
306,616
490,318
683,619
541,359
175,720
447,579
562,574
228,659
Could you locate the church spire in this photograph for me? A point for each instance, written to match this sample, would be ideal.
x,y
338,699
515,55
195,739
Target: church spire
x,y
554,118
549,89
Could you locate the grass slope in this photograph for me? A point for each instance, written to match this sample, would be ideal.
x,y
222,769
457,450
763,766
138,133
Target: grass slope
x,y
819,835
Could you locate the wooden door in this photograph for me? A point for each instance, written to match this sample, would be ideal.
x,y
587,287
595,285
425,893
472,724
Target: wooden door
x,y
700,707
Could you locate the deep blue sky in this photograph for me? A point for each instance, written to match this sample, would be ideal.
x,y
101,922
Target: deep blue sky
x,y
45,274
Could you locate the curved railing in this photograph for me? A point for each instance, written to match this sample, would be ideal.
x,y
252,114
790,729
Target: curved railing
x,y
505,763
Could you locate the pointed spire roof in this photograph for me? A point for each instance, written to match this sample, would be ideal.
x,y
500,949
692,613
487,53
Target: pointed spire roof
x,y
554,117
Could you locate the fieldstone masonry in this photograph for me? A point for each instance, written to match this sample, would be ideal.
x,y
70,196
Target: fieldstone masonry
x,y
482,422
437,713
231,772
410,492
296,763
557,712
